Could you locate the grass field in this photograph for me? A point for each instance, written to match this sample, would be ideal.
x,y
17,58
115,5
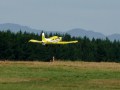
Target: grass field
x,y
59,76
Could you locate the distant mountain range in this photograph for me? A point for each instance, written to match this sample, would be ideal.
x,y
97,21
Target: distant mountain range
x,y
78,32
16,27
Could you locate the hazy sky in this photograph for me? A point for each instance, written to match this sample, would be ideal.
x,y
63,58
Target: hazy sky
x,y
61,15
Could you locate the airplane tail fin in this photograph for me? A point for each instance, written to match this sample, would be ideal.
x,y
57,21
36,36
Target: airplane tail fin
x,y
43,37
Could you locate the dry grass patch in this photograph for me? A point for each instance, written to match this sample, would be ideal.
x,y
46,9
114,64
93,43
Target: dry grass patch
x,y
105,83
19,80
76,64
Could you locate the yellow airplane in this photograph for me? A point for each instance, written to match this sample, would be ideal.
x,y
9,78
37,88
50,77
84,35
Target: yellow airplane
x,y
51,40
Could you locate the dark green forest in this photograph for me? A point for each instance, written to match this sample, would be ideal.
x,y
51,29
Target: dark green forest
x,y
15,47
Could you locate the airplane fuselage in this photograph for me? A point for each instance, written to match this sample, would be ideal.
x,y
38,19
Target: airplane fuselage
x,y
53,40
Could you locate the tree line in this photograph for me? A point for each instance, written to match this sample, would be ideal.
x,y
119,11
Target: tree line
x,y
15,46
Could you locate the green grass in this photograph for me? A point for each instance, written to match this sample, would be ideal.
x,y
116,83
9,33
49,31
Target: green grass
x,y
59,76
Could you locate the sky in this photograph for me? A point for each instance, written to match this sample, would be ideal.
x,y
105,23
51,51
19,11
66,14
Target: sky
x,y
62,15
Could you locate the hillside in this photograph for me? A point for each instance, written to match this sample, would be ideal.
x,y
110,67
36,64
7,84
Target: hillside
x,y
16,27
77,32
82,32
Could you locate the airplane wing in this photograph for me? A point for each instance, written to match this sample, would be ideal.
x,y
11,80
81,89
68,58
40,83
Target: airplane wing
x,y
66,42
35,41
